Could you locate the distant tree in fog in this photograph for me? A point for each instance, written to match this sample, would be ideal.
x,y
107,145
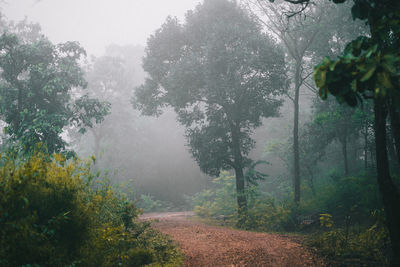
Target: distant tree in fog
x,y
221,75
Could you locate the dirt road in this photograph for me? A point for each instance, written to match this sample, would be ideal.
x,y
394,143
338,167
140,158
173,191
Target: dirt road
x,y
205,245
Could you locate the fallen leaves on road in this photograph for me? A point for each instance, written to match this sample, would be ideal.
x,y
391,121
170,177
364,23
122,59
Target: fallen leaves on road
x,y
205,245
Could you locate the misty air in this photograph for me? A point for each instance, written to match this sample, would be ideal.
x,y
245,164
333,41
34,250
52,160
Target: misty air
x,y
199,133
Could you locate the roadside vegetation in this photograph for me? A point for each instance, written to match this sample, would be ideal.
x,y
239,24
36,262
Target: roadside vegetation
x,y
344,223
56,212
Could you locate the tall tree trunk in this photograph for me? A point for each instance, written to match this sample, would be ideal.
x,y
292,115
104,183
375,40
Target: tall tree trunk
x,y
241,196
240,183
391,146
343,141
395,126
19,108
389,192
296,151
366,145
311,180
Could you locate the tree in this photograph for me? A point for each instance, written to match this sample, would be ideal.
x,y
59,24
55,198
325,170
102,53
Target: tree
x,y
369,69
297,38
301,35
111,78
107,81
36,92
340,123
221,75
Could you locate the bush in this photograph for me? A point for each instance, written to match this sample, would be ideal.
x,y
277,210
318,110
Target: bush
x,y
263,214
220,202
366,245
266,214
149,204
54,213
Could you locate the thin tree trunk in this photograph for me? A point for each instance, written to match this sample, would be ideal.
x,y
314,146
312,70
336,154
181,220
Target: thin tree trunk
x,y
345,158
391,146
395,127
241,196
296,180
311,180
389,192
366,146
240,183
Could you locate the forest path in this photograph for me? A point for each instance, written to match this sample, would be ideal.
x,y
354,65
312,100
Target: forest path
x,y
205,245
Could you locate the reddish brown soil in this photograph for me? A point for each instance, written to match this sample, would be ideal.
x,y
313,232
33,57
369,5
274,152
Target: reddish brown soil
x,y
205,245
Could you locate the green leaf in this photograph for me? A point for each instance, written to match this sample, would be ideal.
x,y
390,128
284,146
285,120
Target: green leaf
x,y
26,201
371,50
333,66
361,67
389,67
320,77
354,85
323,93
369,74
384,79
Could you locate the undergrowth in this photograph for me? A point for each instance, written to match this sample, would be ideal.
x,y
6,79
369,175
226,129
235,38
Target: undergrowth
x,y
343,221
54,212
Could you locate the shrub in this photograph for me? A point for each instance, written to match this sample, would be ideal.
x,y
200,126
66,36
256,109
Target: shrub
x,y
220,202
263,212
149,204
354,243
266,214
54,213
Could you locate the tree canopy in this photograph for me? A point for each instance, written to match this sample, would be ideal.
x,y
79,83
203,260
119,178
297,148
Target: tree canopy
x,y
37,86
221,75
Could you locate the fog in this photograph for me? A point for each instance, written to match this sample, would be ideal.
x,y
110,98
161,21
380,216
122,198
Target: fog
x,y
97,23
270,116
152,153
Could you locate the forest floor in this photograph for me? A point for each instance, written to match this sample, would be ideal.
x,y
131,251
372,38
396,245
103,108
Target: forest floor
x,y
206,245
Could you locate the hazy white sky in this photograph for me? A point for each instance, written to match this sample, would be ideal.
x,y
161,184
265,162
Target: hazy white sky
x,y
97,23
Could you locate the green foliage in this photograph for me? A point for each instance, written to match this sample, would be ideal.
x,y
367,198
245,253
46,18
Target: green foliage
x,y
366,245
369,68
325,220
263,213
149,204
369,65
54,213
36,92
361,71
267,214
218,202
352,196
338,216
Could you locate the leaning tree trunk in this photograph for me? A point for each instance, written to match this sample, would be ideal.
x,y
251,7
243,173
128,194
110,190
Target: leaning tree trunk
x,y
240,183
296,178
389,192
